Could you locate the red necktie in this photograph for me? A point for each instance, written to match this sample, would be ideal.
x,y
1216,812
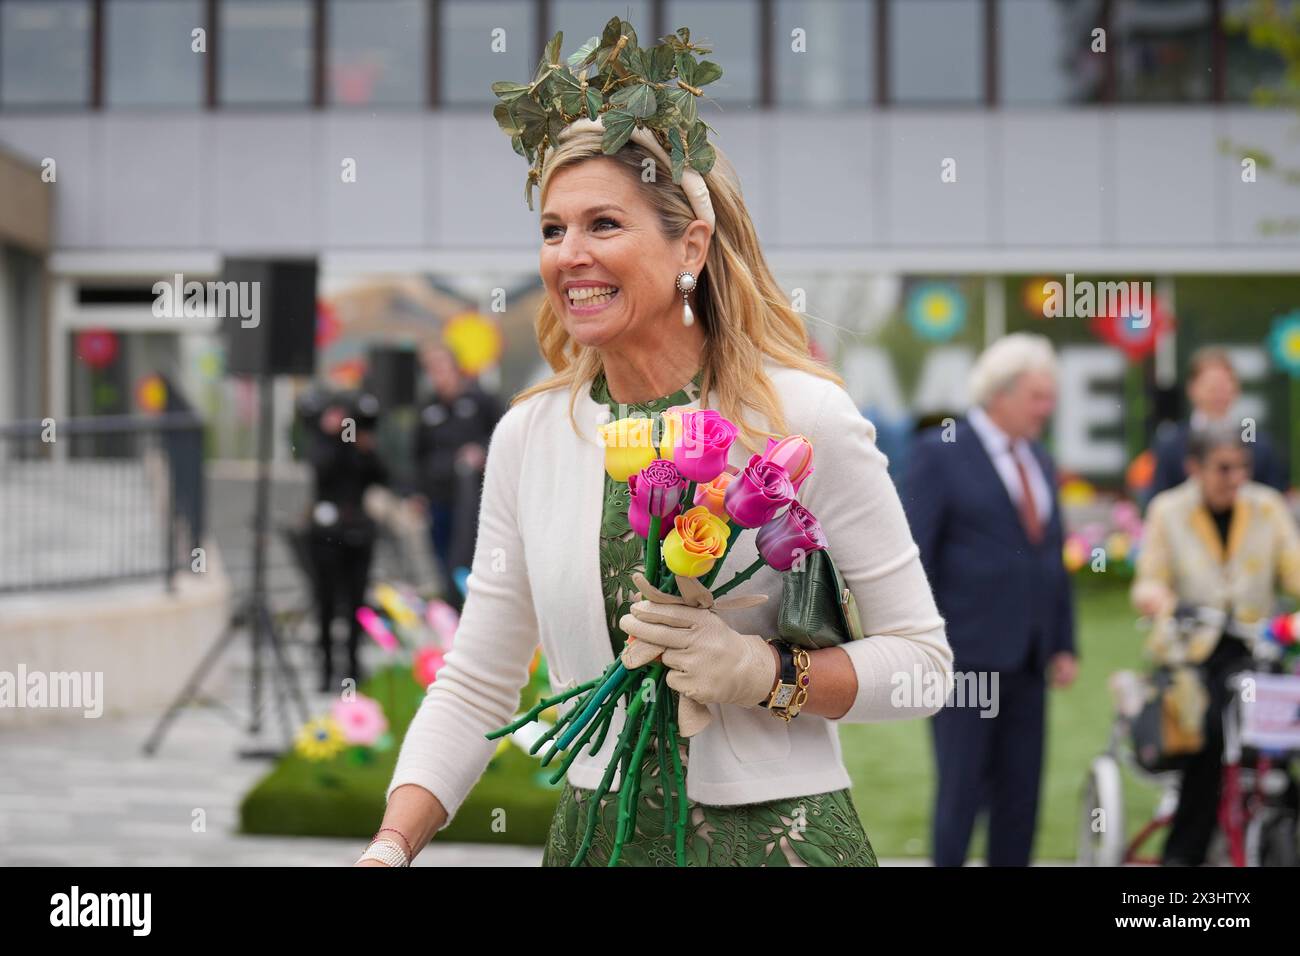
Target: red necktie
x,y
1028,510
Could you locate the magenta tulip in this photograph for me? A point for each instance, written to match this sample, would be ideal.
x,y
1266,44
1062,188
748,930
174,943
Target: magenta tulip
x,y
787,537
756,494
656,490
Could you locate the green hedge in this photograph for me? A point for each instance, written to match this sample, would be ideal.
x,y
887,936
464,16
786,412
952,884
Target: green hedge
x,y
344,797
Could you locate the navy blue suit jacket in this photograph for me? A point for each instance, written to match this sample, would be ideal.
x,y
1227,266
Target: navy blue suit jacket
x,y
1007,603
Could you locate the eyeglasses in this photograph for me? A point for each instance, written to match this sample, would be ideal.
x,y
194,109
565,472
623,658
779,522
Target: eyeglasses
x,y
1225,469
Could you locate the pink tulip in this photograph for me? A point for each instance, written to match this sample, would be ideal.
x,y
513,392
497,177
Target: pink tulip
x,y
656,490
794,453
374,626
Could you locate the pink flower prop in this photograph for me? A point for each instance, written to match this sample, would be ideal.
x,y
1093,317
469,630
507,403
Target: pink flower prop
x,y
374,626
787,537
655,490
755,495
428,661
698,442
362,720
794,453
444,620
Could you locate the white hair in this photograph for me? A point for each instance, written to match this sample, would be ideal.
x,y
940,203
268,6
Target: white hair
x,y
1006,360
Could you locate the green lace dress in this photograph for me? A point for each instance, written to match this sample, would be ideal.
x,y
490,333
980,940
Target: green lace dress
x,y
815,830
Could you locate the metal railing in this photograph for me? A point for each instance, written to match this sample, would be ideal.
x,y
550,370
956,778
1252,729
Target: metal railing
x,y
97,500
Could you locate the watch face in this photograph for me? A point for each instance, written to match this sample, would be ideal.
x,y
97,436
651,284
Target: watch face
x,y
784,694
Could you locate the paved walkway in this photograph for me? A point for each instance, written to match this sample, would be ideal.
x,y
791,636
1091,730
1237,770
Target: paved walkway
x,y
82,793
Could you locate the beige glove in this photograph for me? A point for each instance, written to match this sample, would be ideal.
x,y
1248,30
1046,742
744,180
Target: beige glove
x,y
709,662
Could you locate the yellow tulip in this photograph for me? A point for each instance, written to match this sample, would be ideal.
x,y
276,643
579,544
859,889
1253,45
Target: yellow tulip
x,y
628,446
697,541
670,428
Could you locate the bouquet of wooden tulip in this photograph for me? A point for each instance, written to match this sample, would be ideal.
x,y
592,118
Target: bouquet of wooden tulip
x,y
689,508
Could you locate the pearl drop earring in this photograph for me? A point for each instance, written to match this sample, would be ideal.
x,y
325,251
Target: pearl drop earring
x,y
685,283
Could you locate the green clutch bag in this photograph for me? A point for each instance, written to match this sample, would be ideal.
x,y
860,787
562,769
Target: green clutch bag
x,y
817,607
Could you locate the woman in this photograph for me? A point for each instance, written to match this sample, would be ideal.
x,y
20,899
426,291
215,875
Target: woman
x,y
548,564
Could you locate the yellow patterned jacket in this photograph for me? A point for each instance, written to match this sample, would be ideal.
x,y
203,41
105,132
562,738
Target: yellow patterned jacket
x,y
1183,553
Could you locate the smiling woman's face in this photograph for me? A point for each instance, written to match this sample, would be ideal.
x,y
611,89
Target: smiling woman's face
x,y
608,269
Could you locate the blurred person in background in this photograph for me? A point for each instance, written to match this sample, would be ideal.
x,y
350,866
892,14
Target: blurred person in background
x,y
452,432
342,539
1213,390
1217,540
981,500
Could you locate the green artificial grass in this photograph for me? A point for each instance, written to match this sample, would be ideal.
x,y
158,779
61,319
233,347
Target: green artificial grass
x,y
892,764
344,797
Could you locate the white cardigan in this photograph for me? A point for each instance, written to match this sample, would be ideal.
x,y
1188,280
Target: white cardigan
x,y
536,577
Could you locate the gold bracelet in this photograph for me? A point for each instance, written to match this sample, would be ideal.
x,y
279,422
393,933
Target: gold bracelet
x,y
802,665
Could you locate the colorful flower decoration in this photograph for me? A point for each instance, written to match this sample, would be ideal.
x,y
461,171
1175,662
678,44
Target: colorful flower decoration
x,y
1135,335
1033,296
151,393
475,340
320,739
936,311
1077,491
361,720
1284,341
428,661
97,348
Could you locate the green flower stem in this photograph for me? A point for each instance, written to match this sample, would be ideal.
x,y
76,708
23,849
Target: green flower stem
x,y
680,779
740,578
652,548
540,706
735,530
559,725
661,741
630,789
602,722
593,810
609,681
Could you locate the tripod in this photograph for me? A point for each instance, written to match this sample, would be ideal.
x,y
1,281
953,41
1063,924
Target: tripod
x,y
253,614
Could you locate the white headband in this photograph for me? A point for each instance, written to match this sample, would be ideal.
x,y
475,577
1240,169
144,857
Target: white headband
x,y
697,191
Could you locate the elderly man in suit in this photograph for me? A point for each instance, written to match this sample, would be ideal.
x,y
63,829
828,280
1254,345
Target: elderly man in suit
x,y
981,499
1213,390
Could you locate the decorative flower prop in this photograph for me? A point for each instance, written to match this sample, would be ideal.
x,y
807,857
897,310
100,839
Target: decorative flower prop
x,y
320,739
628,446
711,494
361,720
758,493
428,661
691,472
784,540
794,453
374,625
656,491
697,442
698,540
1284,338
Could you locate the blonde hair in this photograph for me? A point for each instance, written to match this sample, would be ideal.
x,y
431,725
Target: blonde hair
x,y
742,311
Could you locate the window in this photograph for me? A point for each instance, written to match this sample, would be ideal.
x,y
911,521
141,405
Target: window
x,y
1164,50
376,52
265,52
583,19
837,65
149,59
1251,68
45,53
1045,52
732,28
936,50
483,41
